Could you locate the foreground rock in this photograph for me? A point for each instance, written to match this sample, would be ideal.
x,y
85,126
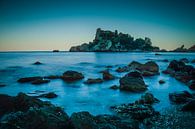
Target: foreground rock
x,y
72,76
28,112
133,81
93,80
84,120
189,106
181,71
25,112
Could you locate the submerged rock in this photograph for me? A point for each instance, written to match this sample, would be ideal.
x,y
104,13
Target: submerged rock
x,y
180,97
37,63
2,85
29,79
132,81
40,81
93,80
114,87
49,95
72,76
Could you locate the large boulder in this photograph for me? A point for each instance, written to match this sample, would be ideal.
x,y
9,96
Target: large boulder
x,y
72,76
132,81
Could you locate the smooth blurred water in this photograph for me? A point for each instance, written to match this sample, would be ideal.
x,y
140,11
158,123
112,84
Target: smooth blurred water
x,y
74,97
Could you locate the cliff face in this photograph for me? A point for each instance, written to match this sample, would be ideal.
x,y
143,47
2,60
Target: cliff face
x,y
114,42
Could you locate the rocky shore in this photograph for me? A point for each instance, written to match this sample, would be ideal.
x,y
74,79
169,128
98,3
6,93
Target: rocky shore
x,y
29,112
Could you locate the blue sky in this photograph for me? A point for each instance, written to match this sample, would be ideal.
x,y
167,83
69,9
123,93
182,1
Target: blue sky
x,y
60,24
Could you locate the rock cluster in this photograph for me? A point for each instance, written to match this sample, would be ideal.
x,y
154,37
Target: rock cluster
x,y
28,112
182,72
115,42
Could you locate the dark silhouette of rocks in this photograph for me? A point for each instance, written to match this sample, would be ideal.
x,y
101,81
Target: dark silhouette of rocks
x,y
93,80
56,51
37,63
183,49
106,40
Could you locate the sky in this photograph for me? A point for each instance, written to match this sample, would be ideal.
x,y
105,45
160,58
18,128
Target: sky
x,y
59,24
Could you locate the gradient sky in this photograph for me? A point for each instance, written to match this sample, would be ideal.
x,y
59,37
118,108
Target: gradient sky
x,y
60,24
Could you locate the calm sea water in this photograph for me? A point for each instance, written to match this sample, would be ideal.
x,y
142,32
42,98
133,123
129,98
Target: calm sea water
x,y
74,97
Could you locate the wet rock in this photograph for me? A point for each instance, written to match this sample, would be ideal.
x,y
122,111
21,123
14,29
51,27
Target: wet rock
x,y
72,76
52,77
123,69
148,69
83,120
93,80
37,63
180,97
132,81
185,60
108,76
161,81
147,98
6,104
56,51
49,95
114,87
29,79
189,106
180,71
135,111
40,81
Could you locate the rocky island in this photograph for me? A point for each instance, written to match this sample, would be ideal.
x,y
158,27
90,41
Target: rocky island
x,y
108,41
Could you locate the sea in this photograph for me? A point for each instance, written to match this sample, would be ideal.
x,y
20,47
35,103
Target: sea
x,y
77,96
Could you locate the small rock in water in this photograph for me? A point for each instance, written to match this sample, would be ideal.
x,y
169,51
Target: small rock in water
x,y
37,63
147,98
123,69
40,81
108,76
53,77
72,76
49,95
114,87
161,81
93,81
29,79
